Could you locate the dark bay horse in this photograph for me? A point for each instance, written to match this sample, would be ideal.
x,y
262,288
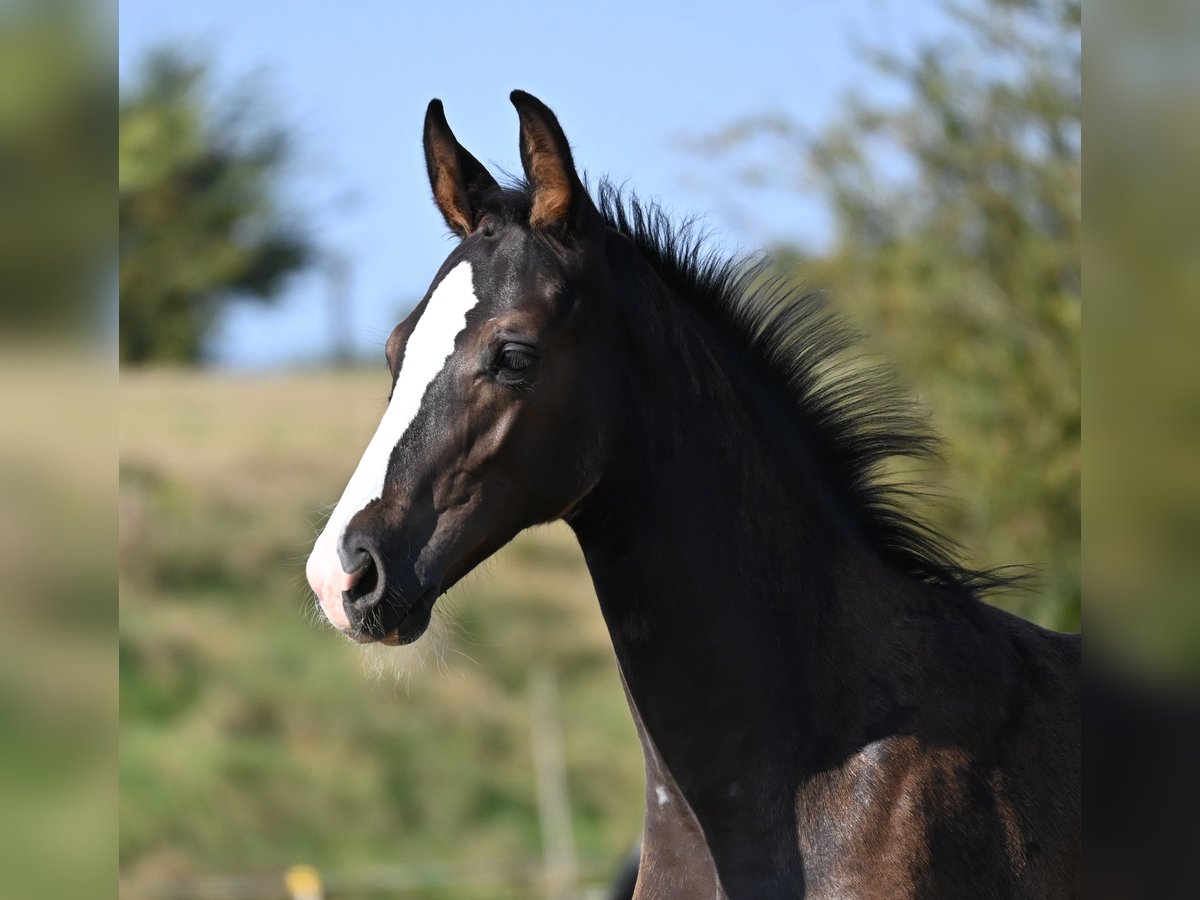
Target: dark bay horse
x,y
826,706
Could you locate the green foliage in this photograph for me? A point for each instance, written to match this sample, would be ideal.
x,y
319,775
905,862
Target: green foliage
x,y
56,149
201,221
957,247
1142,384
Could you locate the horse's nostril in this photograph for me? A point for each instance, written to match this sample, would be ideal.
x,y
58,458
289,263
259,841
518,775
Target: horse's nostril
x,y
354,552
365,590
353,563
361,561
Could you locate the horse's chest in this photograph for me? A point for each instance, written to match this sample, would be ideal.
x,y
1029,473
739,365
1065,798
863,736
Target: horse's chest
x,y
676,860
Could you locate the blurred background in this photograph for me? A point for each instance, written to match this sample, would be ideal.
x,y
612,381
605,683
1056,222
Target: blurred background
x,y
920,161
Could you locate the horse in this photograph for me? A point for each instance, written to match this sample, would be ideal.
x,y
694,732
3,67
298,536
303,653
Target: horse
x,y
826,704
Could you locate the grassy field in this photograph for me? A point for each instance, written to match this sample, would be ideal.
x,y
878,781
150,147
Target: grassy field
x,y
253,738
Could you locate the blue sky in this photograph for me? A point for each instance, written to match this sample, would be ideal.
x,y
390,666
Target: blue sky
x,y
630,82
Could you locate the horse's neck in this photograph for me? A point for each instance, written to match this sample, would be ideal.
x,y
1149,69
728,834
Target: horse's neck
x,y
737,617
738,602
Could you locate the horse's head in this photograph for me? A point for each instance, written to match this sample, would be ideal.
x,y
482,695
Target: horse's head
x,y
494,420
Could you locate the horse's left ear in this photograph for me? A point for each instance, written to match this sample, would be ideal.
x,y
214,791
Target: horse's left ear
x,y
560,201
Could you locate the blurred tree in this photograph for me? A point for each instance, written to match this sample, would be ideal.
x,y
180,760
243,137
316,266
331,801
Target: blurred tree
x,y
957,214
56,142
201,222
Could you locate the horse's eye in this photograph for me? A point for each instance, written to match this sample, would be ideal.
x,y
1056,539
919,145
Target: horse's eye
x,y
487,228
515,358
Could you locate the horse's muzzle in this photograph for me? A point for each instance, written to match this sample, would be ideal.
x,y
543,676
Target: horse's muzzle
x,y
366,595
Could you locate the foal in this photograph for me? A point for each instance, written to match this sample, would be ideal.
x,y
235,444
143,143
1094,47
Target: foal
x,y
825,705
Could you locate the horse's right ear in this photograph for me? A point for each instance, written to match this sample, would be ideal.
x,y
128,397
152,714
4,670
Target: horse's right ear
x,y
458,179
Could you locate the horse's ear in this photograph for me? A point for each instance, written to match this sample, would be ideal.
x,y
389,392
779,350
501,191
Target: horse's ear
x,y
458,179
559,199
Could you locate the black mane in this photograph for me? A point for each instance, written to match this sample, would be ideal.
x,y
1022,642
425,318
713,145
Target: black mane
x,y
856,417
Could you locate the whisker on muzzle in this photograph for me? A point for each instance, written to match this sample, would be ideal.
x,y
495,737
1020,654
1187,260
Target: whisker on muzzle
x,y
381,661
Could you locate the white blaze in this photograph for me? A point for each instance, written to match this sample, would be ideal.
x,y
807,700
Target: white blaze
x,y
425,355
